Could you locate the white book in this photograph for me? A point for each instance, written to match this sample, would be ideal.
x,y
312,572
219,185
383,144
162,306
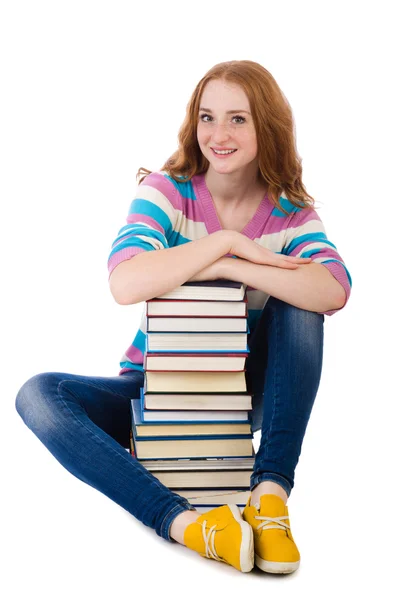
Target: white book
x,y
185,324
160,416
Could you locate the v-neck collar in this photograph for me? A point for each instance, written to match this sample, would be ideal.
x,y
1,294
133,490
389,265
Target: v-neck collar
x,y
210,215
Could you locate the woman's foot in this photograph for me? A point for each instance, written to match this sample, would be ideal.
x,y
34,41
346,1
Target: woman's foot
x,y
180,523
268,487
275,549
220,534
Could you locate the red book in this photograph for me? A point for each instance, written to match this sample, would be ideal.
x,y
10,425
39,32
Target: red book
x,y
157,361
196,308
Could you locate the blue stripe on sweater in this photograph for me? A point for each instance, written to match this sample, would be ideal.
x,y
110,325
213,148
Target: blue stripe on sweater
x,y
286,205
146,208
309,238
341,263
185,188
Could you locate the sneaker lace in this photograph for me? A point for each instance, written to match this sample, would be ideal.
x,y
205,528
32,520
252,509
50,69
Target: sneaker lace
x,y
267,522
209,540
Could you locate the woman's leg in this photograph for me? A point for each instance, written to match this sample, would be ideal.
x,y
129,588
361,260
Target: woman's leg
x,y
286,350
85,423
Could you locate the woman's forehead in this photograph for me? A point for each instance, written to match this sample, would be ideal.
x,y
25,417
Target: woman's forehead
x,y
220,93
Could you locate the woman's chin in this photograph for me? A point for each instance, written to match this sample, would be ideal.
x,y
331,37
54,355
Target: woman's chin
x,y
222,168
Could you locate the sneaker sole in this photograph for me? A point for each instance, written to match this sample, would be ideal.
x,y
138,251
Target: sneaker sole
x,y
247,541
276,567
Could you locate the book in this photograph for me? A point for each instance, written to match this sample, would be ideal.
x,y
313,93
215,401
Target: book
x,y
218,289
187,381
203,472
195,416
193,342
203,479
204,324
196,308
196,428
203,447
197,401
201,464
212,498
195,362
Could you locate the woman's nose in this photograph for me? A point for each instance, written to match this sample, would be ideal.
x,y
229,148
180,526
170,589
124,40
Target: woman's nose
x,y
220,133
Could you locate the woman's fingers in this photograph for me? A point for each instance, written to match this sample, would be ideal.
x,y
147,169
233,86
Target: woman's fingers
x,y
290,262
296,259
247,249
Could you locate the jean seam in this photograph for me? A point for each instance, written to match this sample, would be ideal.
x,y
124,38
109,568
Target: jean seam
x,y
98,386
275,478
164,528
275,384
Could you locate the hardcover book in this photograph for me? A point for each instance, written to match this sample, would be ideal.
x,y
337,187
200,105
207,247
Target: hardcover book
x,y
212,498
187,381
196,308
204,447
204,324
219,289
194,342
182,428
201,464
195,362
196,401
183,479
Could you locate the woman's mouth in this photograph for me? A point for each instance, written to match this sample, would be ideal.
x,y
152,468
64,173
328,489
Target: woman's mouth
x,y
223,153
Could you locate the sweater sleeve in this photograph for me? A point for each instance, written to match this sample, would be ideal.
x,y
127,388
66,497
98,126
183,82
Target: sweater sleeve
x,y
306,237
150,220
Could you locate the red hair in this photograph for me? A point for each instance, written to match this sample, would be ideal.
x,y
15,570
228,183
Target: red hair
x,y
280,166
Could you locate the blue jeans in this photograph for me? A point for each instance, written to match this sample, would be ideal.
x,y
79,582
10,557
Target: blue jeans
x,y
85,421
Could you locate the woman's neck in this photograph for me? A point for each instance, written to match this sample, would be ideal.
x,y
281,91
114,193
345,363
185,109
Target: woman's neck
x,y
233,189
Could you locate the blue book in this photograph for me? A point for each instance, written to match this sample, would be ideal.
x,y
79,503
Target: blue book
x,y
184,446
206,447
195,381
207,350
185,428
191,416
163,341
189,402
184,431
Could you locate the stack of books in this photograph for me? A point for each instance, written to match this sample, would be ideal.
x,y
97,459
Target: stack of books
x,y
191,426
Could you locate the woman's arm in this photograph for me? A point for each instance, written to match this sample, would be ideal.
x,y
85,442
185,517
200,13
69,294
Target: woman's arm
x,y
151,274
310,286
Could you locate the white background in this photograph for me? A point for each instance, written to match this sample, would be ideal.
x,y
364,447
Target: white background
x,y
91,91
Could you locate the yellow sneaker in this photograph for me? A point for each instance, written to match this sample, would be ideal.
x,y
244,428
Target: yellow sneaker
x,y
275,549
223,535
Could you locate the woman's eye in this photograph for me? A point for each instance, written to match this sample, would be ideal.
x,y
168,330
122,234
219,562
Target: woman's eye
x,y
236,120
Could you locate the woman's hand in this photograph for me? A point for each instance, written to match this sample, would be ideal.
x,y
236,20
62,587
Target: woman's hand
x,y
211,272
243,247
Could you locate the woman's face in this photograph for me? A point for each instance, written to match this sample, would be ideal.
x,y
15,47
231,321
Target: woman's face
x,y
225,124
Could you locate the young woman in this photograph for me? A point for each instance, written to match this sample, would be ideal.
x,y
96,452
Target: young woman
x,y
229,203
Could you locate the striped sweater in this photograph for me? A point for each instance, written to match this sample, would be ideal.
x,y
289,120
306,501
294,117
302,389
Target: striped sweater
x,y
167,212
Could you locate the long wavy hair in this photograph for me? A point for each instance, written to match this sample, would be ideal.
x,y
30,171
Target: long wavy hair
x,y
280,166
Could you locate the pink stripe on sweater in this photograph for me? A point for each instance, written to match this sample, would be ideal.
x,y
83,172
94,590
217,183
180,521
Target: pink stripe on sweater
x,y
276,224
141,218
124,254
163,185
327,251
134,355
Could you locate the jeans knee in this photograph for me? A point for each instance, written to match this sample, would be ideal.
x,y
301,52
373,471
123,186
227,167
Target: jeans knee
x,y
295,311
32,403
305,328
298,317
